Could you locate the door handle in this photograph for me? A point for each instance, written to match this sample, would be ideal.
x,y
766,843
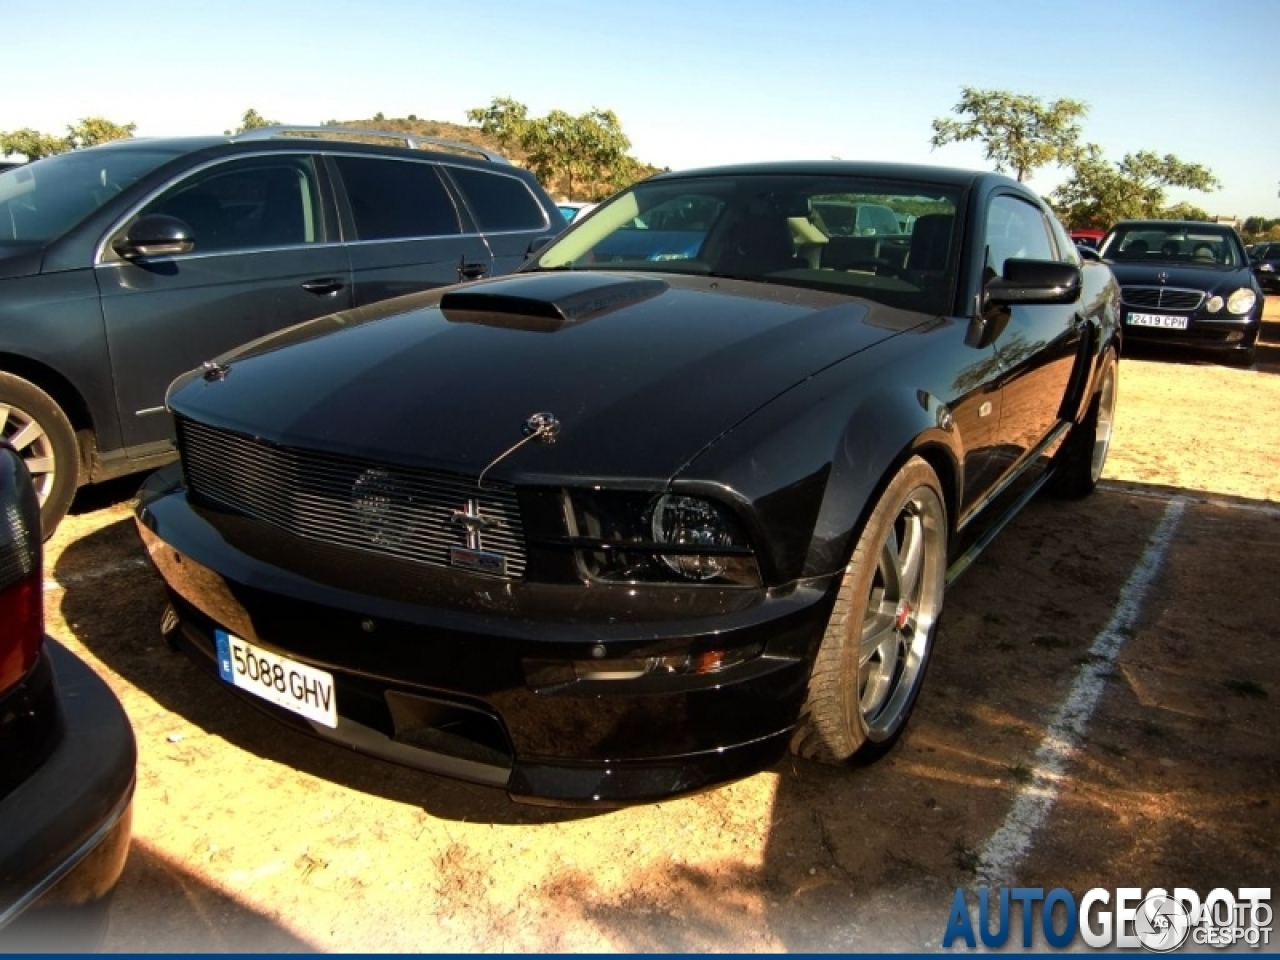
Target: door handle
x,y
472,271
323,286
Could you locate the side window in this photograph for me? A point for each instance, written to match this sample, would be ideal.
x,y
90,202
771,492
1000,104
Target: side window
x,y
500,202
246,204
397,199
1015,230
1067,251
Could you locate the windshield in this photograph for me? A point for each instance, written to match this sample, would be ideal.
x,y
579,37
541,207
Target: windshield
x,y
1202,245
884,240
41,201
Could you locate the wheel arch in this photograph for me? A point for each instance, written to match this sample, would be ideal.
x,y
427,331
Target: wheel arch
x,y
872,450
64,394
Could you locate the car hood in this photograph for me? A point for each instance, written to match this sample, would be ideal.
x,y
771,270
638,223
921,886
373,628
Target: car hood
x,y
641,371
1215,278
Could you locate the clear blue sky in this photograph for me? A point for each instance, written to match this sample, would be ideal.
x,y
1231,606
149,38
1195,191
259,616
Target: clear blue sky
x,y
693,83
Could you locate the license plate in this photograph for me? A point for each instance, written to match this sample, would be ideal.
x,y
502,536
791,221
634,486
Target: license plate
x,y
1161,320
295,686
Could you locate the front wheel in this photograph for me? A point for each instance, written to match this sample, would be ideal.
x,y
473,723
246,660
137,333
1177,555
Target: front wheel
x,y
1084,453
878,641
34,425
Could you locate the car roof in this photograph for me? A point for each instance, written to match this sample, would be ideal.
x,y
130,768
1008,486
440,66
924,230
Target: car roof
x,y
179,146
1176,224
949,176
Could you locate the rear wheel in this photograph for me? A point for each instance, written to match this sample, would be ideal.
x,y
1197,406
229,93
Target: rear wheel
x,y
873,656
34,425
1084,454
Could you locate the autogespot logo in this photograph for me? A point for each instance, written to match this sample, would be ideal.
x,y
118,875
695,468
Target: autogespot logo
x,y
1156,920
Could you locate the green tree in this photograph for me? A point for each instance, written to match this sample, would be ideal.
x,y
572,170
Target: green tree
x,y
1099,192
585,157
32,144
92,131
1020,133
89,132
251,120
1186,211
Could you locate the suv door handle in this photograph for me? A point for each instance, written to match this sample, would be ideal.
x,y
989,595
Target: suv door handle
x,y
472,271
323,286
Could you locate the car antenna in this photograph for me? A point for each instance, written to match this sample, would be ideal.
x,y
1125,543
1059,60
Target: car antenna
x,y
543,427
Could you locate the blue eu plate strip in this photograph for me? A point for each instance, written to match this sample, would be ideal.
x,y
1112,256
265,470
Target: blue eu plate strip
x,y
224,655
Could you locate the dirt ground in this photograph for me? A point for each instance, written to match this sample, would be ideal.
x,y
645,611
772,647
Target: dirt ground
x,y
248,836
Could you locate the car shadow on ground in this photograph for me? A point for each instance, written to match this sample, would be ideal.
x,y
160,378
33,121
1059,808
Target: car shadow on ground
x,y
158,906
1170,786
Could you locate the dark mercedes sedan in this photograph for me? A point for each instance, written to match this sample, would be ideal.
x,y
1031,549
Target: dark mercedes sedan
x,y
1186,284
66,755
631,522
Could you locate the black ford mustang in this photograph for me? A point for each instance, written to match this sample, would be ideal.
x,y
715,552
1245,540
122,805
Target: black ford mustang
x,y
684,491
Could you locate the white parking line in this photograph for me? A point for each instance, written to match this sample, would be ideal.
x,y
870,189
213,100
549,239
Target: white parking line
x,y
1008,846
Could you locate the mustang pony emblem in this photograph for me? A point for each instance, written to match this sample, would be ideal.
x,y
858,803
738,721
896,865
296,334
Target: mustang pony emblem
x,y
473,522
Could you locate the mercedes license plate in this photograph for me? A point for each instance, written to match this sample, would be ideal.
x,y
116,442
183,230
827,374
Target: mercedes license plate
x,y
1161,320
295,686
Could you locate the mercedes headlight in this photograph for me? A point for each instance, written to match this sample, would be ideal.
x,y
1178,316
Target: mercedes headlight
x,y
1242,301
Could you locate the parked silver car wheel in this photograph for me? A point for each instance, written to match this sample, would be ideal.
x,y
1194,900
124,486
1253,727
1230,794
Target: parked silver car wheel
x,y
33,424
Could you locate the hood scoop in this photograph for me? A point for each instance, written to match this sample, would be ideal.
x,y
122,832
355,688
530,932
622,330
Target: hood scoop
x,y
545,303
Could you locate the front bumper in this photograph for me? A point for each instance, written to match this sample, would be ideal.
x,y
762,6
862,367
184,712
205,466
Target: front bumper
x,y
65,830
490,695
1238,335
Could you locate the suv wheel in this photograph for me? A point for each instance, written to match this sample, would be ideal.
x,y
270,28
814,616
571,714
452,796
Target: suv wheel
x,y
34,425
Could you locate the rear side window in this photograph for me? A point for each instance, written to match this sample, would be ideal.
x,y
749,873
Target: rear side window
x,y
499,202
397,199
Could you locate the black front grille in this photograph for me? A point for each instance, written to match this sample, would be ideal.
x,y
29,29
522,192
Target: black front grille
x,y
409,514
1163,298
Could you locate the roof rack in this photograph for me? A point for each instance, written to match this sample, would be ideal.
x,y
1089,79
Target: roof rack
x,y
411,140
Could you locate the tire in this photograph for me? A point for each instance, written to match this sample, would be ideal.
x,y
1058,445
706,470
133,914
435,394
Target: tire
x,y
1084,454
877,644
37,428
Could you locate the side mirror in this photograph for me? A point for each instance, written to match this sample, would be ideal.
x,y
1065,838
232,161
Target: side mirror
x,y
1035,281
155,235
538,244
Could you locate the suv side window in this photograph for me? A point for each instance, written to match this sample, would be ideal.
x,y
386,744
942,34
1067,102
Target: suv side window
x,y
259,202
500,202
1015,230
397,199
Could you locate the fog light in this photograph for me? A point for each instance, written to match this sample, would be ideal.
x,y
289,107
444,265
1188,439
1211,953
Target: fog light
x,y
683,664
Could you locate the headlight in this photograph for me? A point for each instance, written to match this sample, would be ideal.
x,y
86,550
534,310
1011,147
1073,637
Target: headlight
x,y
691,522
1266,268
1242,301
629,537
1213,304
